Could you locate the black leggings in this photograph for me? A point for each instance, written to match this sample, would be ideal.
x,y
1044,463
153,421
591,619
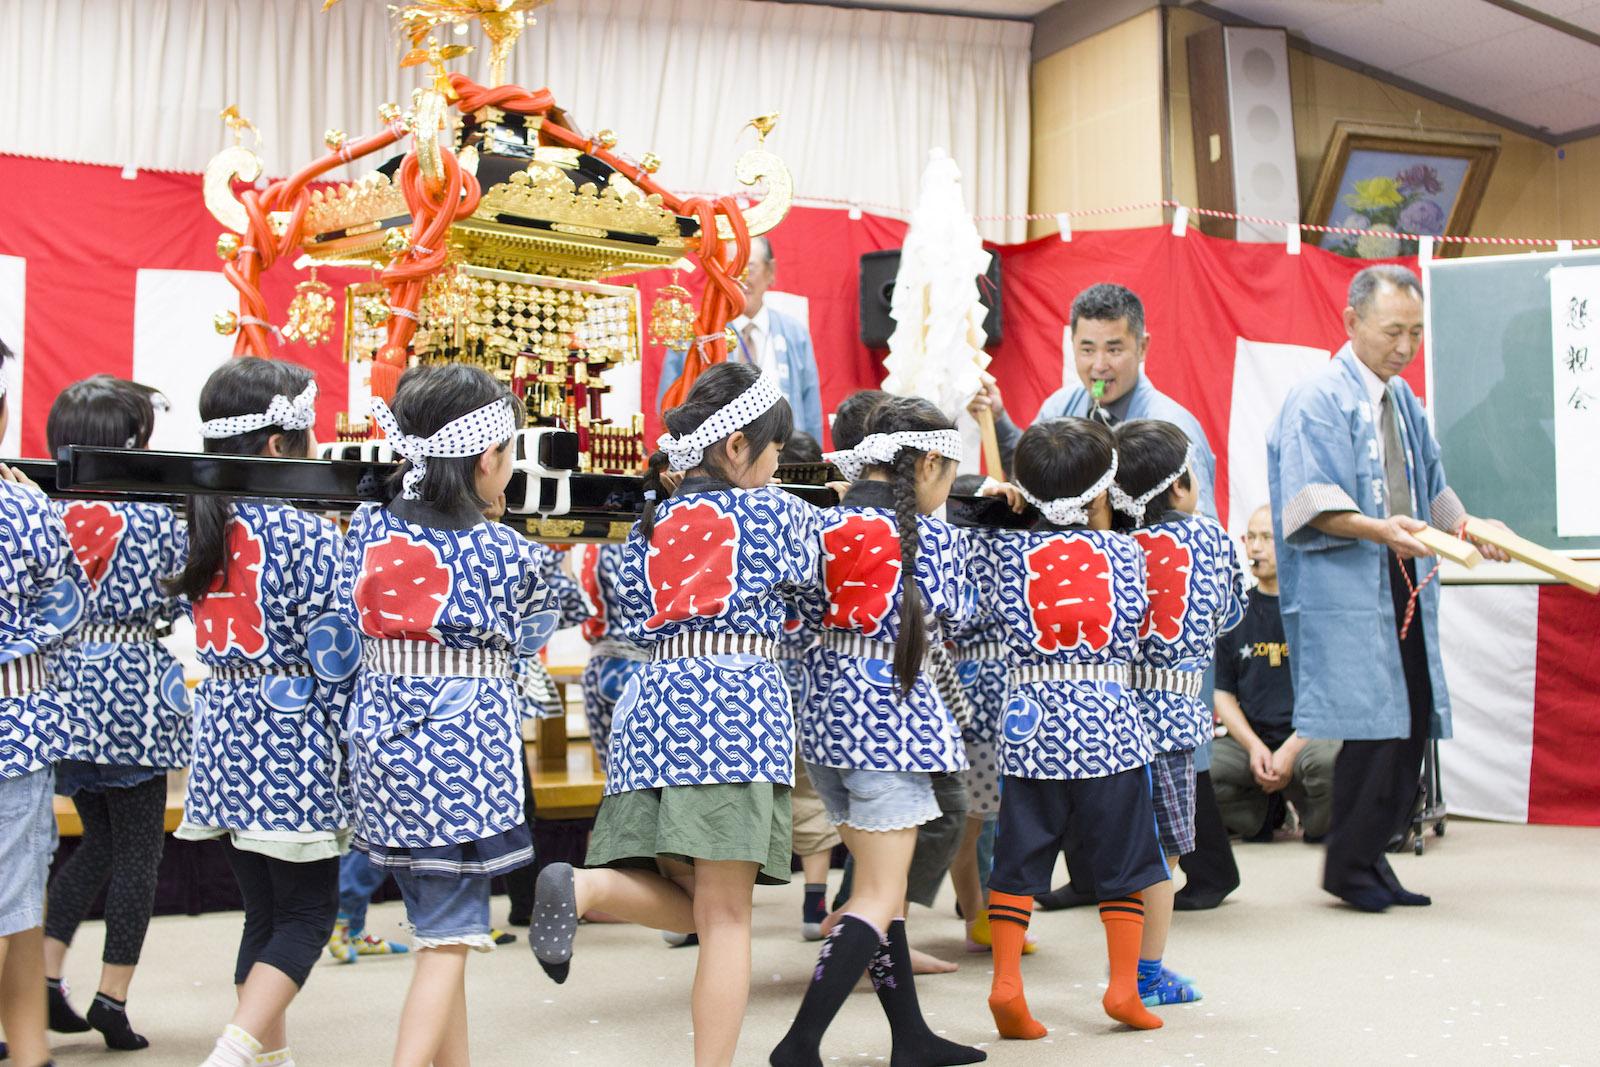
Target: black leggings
x,y
289,910
123,835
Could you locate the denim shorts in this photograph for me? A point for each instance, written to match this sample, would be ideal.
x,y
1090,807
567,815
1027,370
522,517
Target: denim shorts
x,y
27,841
875,800
446,909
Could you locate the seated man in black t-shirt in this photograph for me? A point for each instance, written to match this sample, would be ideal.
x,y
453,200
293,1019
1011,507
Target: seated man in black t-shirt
x,y
1261,754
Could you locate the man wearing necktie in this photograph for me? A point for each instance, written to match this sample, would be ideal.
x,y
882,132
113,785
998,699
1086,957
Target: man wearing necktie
x,y
1355,473
771,341
1109,343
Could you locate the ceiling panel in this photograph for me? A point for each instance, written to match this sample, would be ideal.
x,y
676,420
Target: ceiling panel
x,y
1472,50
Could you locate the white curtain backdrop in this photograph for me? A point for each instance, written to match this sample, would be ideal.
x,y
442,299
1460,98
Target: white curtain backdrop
x,y
864,95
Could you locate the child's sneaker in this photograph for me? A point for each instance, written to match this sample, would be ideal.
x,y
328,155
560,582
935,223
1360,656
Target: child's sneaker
x,y
340,945
501,937
368,945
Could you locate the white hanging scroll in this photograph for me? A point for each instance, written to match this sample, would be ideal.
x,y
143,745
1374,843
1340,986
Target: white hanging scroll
x,y
1575,336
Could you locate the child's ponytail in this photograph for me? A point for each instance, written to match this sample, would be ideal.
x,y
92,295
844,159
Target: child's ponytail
x,y
911,644
907,415
654,490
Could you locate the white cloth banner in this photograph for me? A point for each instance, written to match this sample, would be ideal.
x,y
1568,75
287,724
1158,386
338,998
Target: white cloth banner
x,y
13,303
864,95
1575,355
1263,374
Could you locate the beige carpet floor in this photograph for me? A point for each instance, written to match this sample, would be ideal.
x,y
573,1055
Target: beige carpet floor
x,y
1499,970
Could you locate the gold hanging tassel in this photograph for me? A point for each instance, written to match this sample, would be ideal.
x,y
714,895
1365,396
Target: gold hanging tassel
x,y
672,316
310,312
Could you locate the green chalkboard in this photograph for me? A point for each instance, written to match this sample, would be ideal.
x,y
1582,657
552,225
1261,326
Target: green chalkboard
x,y
1491,385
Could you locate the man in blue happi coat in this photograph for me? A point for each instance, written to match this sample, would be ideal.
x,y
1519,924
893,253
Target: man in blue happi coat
x,y
1109,344
1355,473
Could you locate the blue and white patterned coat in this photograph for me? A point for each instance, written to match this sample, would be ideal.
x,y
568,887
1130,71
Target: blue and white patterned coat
x,y
1196,595
267,749
434,759
607,674
721,560
982,676
566,607
858,717
1068,596
43,592
131,693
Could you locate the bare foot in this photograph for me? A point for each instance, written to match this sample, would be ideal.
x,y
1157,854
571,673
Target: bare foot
x,y
922,963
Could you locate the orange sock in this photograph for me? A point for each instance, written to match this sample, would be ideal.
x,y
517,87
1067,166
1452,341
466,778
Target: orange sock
x,y
1123,918
1008,926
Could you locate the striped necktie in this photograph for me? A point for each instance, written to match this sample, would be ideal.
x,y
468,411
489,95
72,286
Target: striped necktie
x,y
1394,459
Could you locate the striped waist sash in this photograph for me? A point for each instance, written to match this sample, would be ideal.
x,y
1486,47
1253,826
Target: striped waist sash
x,y
696,644
22,676
426,659
1169,680
982,650
246,672
1119,673
619,650
852,643
120,633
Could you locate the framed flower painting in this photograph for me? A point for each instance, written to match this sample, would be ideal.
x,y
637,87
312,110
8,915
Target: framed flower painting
x,y
1401,180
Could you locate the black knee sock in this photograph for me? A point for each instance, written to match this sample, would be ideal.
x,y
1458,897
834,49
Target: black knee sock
x,y
915,1045
110,1016
63,1020
843,959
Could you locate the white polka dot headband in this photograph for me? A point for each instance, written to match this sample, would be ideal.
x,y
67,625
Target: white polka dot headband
x,y
299,413
472,434
1074,510
686,452
1134,506
883,447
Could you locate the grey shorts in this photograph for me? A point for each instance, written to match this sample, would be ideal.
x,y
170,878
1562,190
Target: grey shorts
x,y
875,800
27,841
1172,782
983,780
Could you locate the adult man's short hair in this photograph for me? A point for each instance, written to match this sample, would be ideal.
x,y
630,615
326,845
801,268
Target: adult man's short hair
x,y
1364,286
1108,302
765,247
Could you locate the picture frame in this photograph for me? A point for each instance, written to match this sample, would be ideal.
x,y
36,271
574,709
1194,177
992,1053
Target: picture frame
x,y
1378,176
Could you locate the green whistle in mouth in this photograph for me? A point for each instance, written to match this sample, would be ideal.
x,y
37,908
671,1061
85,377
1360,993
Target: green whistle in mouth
x,y
1098,390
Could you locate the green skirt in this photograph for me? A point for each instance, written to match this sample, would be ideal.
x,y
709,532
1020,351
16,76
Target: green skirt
x,y
747,821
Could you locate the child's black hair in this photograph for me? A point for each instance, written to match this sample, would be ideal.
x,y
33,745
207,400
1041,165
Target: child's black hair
x,y
801,448
715,389
967,484
103,412
1062,457
1148,451
902,414
241,386
850,418
425,400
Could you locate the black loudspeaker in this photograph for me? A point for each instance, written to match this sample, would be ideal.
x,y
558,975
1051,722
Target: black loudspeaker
x,y
878,271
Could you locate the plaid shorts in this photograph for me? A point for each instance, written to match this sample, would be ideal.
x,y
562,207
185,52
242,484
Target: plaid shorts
x,y
1172,780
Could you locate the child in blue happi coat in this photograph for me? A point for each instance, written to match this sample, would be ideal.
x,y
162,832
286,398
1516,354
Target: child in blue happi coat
x,y
1196,594
266,775
697,809
445,601
43,591
877,728
129,691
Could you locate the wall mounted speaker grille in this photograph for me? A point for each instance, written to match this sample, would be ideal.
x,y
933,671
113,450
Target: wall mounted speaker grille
x,y
1243,128
878,272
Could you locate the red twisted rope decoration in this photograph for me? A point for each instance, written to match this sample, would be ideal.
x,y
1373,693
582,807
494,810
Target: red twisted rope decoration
x,y
724,298
433,212
262,248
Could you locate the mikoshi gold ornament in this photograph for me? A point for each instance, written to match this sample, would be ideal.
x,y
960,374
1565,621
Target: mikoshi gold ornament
x,y
672,317
310,312
225,322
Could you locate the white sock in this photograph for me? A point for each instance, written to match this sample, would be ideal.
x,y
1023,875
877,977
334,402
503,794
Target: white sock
x,y
280,1058
235,1048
